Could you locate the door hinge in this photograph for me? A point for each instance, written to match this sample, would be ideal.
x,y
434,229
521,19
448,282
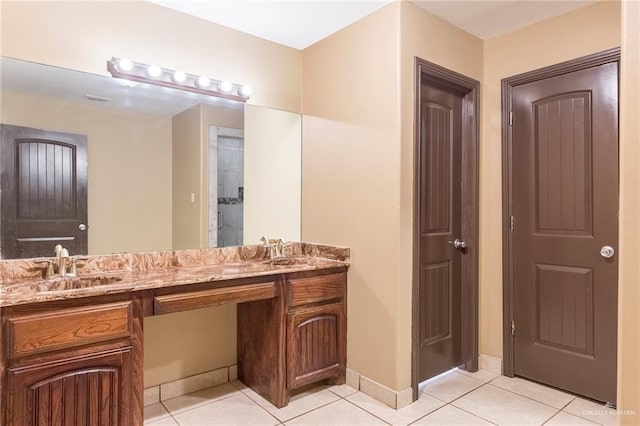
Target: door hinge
x,y
513,328
510,118
511,220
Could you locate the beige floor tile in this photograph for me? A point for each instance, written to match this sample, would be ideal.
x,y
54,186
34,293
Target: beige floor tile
x,y
566,419
154,412
236,410
339,413
199,398
451,416
343,391
538,392
451,386
299,404
504,408
482,375
167,421
424,405
592,411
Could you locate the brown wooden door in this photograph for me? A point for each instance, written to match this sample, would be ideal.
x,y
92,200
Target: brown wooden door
x,y
44,192
565,208
440,222
90,390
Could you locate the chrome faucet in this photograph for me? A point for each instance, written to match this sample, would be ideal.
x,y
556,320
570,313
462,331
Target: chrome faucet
x,y
271,248
281,245
64,268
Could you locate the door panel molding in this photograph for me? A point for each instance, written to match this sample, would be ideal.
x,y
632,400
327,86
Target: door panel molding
x,y
508,84
469,88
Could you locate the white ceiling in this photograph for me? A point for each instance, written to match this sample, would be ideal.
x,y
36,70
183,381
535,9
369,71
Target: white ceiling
x,y
301,23
489,18
294,23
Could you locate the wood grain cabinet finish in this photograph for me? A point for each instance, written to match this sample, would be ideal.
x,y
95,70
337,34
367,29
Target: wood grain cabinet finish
x,y
72,362
85,390
315,339
296,339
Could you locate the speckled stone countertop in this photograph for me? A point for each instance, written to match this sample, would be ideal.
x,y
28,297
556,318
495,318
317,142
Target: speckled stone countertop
x,y
22,282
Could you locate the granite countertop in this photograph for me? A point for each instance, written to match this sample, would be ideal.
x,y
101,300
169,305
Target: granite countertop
x,y
22,280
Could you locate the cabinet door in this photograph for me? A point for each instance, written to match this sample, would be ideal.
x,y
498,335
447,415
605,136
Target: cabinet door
x,y
316,346
88,390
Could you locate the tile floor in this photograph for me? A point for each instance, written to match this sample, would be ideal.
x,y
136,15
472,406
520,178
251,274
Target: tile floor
x,y
454,398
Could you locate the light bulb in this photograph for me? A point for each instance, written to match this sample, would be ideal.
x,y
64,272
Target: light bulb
x,y
225,86
245,91
179,76
154,71
203,81
124,65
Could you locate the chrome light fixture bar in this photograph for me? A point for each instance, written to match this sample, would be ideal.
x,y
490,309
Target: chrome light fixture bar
x,y
177,79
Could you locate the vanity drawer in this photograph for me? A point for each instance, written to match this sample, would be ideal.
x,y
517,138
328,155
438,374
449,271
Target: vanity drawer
x,y
35,333
214,297
301,291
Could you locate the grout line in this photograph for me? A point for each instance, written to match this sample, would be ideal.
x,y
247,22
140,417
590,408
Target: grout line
x,y
310,411
473,414
203,404
531,399
368,412
552,416
458,397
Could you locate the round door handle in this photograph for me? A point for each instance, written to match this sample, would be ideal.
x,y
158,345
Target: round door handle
x,y
607,252
459,244
82,227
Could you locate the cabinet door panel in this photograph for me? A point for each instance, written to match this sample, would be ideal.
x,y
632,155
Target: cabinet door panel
x,y
316,346
86,390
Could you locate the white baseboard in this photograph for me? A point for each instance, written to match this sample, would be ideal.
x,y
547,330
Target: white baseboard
x,y
378,391
490,363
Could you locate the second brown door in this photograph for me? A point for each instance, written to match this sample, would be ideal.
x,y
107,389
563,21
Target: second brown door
x,y
440,225
565,217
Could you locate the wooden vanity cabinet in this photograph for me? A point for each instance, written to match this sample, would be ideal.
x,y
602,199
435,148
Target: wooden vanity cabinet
x,y
75,362
296,339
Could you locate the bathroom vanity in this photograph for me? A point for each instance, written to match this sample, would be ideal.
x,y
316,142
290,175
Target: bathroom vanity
x,y
72,347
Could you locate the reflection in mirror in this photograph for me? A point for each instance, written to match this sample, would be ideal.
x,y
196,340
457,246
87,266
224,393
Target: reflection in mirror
x,y
102,165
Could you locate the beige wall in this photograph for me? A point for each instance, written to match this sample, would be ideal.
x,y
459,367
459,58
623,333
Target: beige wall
x,y
272,173
629,290
129,157
351,176
84,35
546,43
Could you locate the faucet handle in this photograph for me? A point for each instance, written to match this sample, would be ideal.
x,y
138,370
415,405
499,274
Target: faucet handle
x,y
49,272
73,270
64,253
57,250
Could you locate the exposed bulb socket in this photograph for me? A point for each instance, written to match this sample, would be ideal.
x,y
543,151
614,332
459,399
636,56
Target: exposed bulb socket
x,y
124,65
225,86
245,91
154,71
179,76
203,82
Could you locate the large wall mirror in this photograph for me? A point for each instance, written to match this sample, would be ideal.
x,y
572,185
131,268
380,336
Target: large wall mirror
x,y
103,165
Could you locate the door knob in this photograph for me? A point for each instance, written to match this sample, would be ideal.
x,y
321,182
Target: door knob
x,y
607,252
82,227
459,244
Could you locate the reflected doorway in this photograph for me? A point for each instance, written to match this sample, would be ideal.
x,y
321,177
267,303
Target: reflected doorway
x,y
226,186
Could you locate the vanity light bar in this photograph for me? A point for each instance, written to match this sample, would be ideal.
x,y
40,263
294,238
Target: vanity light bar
x,y
177,79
